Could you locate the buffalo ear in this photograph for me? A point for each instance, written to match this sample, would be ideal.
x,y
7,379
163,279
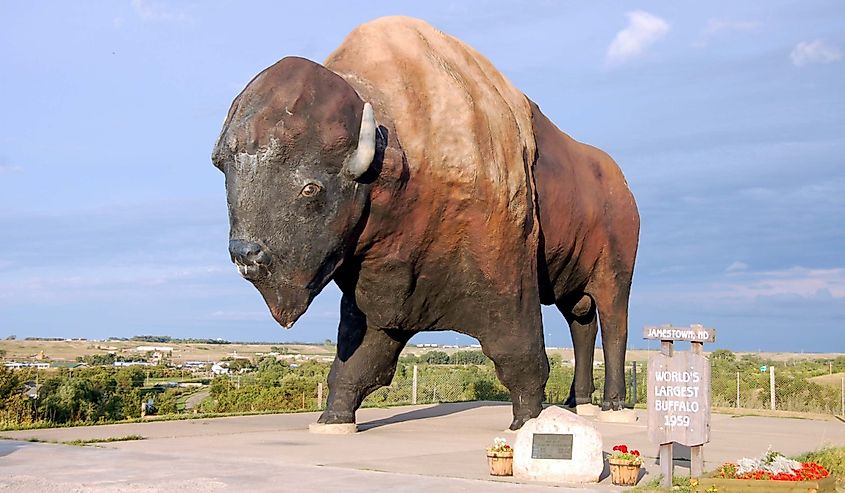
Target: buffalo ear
x,y
360,160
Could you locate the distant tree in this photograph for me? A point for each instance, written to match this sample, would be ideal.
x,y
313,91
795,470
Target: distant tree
x,y
468,358
152,338
10,383
723,355
435,358
102,359
409,359
238,364
11,337
130,377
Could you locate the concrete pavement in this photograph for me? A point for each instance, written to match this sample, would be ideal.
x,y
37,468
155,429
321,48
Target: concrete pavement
x,y
410,449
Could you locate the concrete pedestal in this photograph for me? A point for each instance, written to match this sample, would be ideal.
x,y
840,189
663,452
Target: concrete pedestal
x,y
335,429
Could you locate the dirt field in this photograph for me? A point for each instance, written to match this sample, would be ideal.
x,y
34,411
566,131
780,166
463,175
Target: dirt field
x,y
834,380
21,350
69,350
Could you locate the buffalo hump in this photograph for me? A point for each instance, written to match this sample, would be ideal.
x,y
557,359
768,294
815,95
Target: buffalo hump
x,y
466,132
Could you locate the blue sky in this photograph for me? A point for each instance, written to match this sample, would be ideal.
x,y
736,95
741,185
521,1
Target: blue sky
x,y
728,119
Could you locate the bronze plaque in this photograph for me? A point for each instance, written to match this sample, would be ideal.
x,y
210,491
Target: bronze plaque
x,y
551,446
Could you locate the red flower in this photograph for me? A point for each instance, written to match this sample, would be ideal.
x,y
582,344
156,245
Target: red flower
x,y
636,452
621,448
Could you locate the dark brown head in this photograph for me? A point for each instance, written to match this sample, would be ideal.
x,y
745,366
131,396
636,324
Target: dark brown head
x,y
294,145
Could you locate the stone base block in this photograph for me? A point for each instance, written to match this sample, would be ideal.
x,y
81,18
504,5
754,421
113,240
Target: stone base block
x,y
333,429
621,416
587,410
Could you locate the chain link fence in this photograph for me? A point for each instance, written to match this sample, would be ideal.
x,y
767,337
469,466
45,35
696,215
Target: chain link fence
x,y
795,387
741,383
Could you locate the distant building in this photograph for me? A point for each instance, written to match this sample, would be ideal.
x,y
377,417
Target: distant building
x,y
132,363
196,364
68,364
151,349
15,365
220,368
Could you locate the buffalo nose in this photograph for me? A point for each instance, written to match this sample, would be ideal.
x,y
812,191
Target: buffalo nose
x,y
249,257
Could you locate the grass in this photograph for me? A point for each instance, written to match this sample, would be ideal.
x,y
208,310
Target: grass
x,y
832,458
680,484
156,417
90,441
127,438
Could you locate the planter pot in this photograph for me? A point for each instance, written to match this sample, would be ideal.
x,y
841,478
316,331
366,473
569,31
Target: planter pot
x,y
722,485
623,472
501,463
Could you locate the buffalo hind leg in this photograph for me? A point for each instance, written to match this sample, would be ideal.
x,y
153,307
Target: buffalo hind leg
x,y
580,314
522,367
366,360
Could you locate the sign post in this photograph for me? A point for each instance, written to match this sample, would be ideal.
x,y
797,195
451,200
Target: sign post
x,y
679,395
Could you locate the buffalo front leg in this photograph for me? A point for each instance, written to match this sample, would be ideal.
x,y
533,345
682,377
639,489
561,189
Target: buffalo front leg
x,y
366,360
522,367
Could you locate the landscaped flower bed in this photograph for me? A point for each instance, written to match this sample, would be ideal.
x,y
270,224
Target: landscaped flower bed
x,y
771,472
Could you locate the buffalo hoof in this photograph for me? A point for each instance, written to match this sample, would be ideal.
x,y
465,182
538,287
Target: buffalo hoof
x,y
612,405
335,418
517,423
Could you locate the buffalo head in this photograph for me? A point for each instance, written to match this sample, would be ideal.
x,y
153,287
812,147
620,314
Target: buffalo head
x,y
294,148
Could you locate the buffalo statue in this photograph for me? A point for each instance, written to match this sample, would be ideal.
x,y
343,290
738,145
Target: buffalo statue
x,y
437,196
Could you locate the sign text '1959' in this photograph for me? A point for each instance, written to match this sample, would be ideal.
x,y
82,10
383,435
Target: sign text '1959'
x,y
679,398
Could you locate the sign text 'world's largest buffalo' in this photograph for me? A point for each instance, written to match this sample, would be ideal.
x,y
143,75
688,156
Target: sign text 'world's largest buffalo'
x,y
679,398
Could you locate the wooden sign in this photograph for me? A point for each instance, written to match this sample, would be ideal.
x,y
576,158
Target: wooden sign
x,y
551,446
693,333
679,398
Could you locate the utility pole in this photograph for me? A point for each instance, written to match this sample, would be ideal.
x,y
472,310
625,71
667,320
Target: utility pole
x,y
772,386
634,375
737,389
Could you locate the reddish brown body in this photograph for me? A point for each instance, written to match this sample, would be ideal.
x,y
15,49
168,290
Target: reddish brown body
x,y
589,234
474,211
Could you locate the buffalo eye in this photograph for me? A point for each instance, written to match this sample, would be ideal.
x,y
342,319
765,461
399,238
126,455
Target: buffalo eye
x,y
310,190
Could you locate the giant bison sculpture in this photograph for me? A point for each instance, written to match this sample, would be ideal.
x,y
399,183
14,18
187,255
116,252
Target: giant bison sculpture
x,y
437,196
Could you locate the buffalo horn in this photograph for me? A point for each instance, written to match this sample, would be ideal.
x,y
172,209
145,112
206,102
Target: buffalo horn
x,y
360,160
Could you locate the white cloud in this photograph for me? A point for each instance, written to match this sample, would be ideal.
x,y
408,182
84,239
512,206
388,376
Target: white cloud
x,y
153,11
643,30
715,26
741,285
817,51
718,27
9,168
796,281
737,267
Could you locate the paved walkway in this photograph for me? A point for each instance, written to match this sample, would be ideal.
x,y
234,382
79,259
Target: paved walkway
x,y
405,449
